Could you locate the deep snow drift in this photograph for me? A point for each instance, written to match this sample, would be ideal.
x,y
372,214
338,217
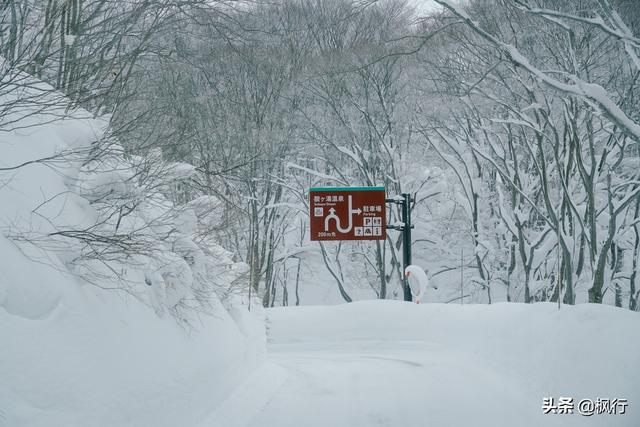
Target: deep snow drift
x,y
73,354
390,363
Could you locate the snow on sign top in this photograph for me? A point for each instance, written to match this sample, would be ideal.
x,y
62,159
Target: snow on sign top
x,y
348,213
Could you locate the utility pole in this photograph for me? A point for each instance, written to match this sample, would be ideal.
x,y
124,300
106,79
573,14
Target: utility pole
x,y
405,206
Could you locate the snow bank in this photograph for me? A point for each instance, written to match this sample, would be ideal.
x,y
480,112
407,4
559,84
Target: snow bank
x,y
74,354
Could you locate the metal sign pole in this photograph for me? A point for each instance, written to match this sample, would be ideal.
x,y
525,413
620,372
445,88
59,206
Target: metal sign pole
x,y
405,205
406,244
406,218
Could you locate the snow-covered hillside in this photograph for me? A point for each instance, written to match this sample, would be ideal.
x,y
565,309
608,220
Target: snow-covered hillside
x,y
75,351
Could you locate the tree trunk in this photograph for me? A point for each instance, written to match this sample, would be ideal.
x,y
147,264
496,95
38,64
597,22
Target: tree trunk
x,y
595,292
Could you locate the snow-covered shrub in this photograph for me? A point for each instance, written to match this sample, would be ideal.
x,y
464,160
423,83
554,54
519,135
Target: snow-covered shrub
x,y
148,232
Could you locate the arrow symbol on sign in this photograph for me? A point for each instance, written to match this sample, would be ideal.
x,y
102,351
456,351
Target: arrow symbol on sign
x,y
332,216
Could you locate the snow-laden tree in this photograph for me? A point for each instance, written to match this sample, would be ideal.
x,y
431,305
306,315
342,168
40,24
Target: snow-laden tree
x,y
544,101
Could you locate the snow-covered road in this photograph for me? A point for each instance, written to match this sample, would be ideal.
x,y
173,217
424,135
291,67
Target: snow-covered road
x,y
394,364
386,383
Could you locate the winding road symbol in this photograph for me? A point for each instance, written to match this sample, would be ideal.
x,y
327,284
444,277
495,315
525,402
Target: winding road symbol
x,y
332,215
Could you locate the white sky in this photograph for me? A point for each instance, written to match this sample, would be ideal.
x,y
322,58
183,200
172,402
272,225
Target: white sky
x,y
423,6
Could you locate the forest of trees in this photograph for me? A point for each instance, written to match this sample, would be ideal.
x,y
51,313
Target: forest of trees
x,y
514,123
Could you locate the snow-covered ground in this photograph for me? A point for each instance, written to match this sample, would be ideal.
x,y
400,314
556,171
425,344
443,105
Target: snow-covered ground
x,y
389,363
